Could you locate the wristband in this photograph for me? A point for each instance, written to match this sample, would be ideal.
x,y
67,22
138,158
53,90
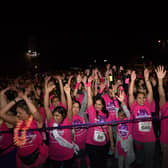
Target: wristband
x,y
89,84
77,85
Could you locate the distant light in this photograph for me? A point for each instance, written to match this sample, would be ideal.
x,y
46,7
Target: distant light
x,y
159,41
94,61
105,60
35,66
142,56
32,53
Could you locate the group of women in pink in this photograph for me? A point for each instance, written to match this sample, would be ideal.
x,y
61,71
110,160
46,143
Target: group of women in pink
x,y
31,108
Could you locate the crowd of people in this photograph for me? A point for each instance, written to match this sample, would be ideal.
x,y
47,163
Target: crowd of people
x,y
38,114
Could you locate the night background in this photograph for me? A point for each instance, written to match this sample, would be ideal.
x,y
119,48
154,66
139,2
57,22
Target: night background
x,y
66,49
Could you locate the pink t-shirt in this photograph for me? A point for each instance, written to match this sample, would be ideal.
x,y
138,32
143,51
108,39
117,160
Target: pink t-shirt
x,y
56,151
6,140
80,133
142,131
96,135
164,124
111,105
34,140
124,130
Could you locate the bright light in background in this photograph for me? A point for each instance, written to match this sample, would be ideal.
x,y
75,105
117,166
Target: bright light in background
x,y
159,41
105,60
142,56
32,53
35,66
94,61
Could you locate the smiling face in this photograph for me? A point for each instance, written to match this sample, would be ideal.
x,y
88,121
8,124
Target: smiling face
x,y
75,108
22,114
98,105
57,117
141,98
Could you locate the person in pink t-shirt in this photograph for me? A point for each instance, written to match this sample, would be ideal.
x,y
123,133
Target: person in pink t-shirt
x,y
142,131
61,147
31,151
79,134
55,99
161,73
7,148
99,138
124,142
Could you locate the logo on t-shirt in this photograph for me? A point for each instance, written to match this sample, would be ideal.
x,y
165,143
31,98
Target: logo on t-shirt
x,y
123,130
77,121
101,119
144,126
30,137
142,113
110,106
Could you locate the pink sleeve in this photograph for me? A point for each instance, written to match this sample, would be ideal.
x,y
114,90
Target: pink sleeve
x,y
66,121
132,106
91,111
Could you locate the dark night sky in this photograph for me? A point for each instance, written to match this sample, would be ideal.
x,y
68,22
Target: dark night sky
x,y
72,48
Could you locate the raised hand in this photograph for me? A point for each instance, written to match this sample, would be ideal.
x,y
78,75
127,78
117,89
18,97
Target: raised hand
x,y
121,96
48,88
108,66
133,75
146,74
67,89
161,73
70,78
4,90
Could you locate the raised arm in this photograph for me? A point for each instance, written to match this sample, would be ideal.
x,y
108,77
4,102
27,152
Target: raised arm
x,y
121,98
69,101
4,112
63,100
148,85
46,99
131,88
78,79
84,102
161,73
89,91
3,98
33,110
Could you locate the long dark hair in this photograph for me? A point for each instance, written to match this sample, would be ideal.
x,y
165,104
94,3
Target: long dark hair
x,y
104,110
61,110
75,101
22,104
